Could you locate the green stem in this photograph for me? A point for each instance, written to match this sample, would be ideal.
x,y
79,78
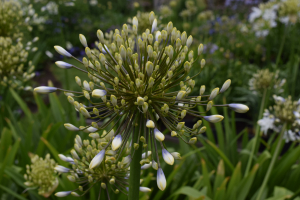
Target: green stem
x,y
275,155
296,194
281,48
135,169
257,134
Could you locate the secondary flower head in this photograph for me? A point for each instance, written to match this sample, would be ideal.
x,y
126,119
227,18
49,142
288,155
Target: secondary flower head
x,y
95,162
285,111
136,82
264,79
42,175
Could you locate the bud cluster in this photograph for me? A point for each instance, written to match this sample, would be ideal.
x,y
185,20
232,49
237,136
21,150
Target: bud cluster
x,y
41,174
12,60
95,161
264,79
11,20
138,81
285,111
190,10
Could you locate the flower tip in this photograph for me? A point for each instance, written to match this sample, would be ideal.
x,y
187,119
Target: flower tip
x,y
83,40
45,89
158,135
71,127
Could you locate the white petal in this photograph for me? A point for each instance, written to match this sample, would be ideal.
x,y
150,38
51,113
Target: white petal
x,y
61,169
71,127
239,108
213,118
98,93
146,166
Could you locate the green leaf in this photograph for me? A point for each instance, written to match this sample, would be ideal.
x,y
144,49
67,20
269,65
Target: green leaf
x,y
22,104
246,183
206,180
13,152
53,151
220,175
234,180
13,193
223,156
221,191
190,192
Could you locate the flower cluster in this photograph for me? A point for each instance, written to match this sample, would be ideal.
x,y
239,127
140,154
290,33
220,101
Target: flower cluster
x,y
95,161
289,11
11,20
264,79
285,111
12,60
190,10
42,175
140,81
207,15
267,14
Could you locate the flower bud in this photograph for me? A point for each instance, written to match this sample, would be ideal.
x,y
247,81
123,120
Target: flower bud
x,y
189,41
213,93
176,155
239,108
158,135
168,158
180,95
63,65
62,51
200,49
225,86
116,143
97,159
71,127
213,118
97,93
83,40
45,89
161,179
150,124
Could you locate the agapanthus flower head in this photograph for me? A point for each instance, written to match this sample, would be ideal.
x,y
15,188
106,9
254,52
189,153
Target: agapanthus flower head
x,y
41,175
137,82
285,111
13,60
207,15
12,20
265,79
95,163
289,11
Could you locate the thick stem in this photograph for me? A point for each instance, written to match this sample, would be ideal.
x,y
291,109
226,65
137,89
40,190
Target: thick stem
x,y
266,179
135,168
257,134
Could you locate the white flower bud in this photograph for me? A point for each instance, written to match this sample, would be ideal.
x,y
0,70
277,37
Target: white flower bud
x,y
180,95
71,127
62,194
84,112
116,143
150,124
176,155
239,108
213,118
140,101
62,51
45,89
146,166
135,22
154,165
213,93
154,25
63,65
145,189
61,169
225,86
97,159
83,40
97,93
113,100
168,158
158,135
161,179
200,49
189,41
